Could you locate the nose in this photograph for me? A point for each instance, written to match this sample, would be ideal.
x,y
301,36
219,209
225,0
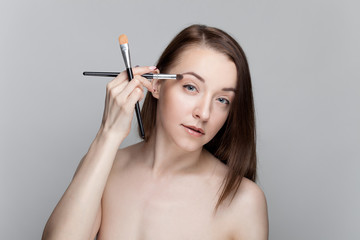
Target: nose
x,y
202,109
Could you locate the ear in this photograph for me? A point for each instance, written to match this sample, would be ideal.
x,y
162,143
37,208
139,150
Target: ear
x,y
156,85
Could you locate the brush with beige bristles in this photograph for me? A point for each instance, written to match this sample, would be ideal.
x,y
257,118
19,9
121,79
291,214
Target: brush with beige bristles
x,y
124,46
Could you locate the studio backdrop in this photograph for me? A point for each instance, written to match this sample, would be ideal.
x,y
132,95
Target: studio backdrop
x,y
304,61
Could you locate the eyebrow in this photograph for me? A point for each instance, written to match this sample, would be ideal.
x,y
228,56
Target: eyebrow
x,y
202,80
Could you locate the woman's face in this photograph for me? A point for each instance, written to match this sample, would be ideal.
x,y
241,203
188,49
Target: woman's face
x,y
200,100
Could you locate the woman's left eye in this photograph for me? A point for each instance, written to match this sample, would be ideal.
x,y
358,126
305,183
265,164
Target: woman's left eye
x,y
191,88
224,101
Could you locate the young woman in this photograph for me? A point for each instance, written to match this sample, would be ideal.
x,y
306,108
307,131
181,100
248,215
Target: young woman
x,y
193,176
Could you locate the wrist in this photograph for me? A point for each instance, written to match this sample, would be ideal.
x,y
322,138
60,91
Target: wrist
x,y
106,136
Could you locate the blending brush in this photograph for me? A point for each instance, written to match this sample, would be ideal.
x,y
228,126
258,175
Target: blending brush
x,y
146,75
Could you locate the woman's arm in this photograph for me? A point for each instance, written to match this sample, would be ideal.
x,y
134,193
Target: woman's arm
x,y
78,212
75,214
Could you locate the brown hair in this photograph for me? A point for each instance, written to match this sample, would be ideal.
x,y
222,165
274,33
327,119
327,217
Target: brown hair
x,y
235,143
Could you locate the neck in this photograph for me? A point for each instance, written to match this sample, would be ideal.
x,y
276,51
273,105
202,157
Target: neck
x,y
165,158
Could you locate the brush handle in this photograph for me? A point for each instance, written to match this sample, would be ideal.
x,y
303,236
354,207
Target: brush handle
x,y
137,106
101,74
146,75
131,76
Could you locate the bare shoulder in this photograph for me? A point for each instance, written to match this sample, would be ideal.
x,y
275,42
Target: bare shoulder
x,y
249,212
250,193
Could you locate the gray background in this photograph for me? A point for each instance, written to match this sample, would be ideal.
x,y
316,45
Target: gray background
x,y
303,57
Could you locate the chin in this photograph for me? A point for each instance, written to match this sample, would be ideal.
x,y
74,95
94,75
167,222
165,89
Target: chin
x,y
184,141
189,143
189,146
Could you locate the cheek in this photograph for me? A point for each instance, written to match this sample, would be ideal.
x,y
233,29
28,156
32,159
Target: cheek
x,y
218,120
218,117
174,103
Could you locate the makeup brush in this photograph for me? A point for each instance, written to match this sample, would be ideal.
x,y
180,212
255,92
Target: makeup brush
x,y
124,46
146,75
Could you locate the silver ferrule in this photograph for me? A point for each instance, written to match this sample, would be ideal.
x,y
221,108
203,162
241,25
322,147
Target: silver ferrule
x,y
126,54
164,76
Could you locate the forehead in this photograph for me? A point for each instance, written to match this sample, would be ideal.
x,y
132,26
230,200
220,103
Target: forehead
x,y
214,67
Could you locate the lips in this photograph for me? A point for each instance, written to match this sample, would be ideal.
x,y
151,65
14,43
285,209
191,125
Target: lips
x,y
199,130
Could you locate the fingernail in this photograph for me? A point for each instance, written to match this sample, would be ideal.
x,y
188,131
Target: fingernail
x,y
152,68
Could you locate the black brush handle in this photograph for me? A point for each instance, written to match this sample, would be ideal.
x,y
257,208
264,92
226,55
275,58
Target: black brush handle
x,y
113,74
137,106
101,74
131,76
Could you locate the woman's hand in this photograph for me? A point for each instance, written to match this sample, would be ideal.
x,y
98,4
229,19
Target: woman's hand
x,y
121,97
78,212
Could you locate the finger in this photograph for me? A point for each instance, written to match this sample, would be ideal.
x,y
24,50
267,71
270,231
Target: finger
x,y
121,77
116,90
120,89
143,70
129,88
136,71
117,87
105,107
145,82
133,98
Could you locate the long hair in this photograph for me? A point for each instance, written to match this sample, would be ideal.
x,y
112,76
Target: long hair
x,y
235,142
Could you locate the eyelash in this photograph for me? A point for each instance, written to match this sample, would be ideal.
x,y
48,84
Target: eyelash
x,y
227,102
188,85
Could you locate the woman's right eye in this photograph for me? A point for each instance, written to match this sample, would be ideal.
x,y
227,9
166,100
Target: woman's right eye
x,y
190,88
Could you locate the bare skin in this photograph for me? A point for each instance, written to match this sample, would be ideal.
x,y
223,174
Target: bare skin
x,y
137,205
168,187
